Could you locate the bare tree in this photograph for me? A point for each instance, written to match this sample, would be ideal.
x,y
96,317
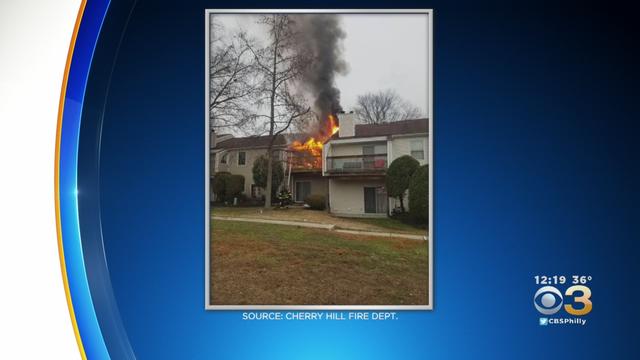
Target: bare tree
x,y
232,86
279,65
385,106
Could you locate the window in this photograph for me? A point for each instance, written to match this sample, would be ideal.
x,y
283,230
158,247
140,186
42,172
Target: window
x,y
417,149
367,159
256,191
303,189
242,158
374,149
375,200
368,150
223,159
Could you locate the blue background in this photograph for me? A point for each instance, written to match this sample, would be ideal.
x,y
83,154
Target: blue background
x,y
535,174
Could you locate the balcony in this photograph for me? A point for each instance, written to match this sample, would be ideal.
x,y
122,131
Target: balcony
x,y
303,161
356,164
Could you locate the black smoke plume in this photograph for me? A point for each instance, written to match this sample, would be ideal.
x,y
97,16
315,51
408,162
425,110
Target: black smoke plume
x,y
321,38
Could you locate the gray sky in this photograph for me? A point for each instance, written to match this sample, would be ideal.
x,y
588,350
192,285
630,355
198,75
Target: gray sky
x,y
384,51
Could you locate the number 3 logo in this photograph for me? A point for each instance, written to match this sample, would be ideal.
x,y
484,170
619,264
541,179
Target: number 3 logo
x,y
584,299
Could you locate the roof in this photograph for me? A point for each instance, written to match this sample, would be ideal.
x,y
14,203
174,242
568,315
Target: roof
x,y
250,142
415,126
402,127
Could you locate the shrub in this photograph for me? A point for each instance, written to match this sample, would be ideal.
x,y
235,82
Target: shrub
x,y
316,202
419,196
234,186
219,184
399,175
249,202
260,174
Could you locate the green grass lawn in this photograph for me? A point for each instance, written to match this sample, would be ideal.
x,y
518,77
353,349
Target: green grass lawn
x,y
389,223
279,265
236,211
299,214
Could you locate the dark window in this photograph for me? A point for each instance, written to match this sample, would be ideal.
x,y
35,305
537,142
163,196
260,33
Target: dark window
x,y
417,149
242,158
375,200
303,189
256,191
370,200
368,150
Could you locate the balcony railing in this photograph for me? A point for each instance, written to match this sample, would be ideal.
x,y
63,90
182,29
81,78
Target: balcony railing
x,y
357,164
305,161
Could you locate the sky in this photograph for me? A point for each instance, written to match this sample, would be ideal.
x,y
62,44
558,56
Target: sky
x,y
384,51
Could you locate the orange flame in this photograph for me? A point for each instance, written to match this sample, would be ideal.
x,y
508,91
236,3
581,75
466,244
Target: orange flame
x,y
332,125
312,146
310,152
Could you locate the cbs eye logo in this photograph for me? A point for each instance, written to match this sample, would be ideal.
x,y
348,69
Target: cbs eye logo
x,y
548,300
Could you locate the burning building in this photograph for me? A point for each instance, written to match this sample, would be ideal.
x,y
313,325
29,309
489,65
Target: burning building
x,y
304,160
345,162
306,151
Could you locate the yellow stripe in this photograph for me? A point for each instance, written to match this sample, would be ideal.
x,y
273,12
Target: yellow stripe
x,y
56,180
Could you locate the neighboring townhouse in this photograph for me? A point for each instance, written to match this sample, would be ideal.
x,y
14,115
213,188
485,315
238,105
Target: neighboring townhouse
x,y
356,158
237,155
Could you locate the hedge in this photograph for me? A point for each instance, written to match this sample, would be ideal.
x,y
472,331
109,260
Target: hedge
x,y
227,186
419,196
399,176
219,184
316,202
234,186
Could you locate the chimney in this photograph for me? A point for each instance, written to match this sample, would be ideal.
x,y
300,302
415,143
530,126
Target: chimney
x,y
347,124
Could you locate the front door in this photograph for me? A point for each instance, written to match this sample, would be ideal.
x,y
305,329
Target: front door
x,y
303,190
370,200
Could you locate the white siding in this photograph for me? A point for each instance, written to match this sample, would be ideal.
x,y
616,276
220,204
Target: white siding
x,y
346,197
402,146
356,149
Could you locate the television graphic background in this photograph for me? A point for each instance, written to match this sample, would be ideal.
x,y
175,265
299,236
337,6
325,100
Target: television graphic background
x,y
533,168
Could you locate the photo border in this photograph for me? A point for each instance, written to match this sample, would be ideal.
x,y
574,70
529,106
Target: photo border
x,y
430,105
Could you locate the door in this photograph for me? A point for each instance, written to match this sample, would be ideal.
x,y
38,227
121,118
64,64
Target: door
x,y
381,200
303,189
370,200
367,159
